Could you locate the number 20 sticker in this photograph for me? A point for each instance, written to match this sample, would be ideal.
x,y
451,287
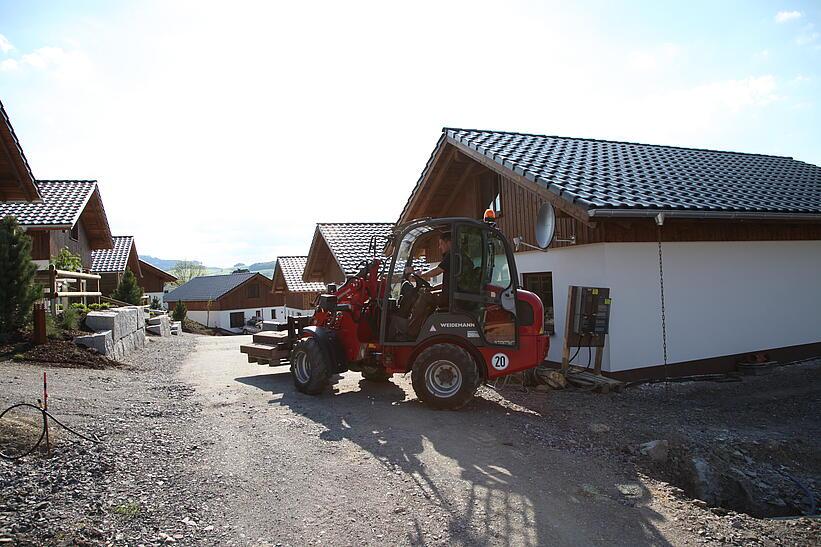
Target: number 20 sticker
x,y
499,361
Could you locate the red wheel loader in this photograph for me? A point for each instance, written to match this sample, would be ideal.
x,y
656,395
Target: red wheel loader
x,y
474,326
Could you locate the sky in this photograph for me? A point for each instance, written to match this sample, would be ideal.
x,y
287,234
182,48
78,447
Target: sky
x,y
223,131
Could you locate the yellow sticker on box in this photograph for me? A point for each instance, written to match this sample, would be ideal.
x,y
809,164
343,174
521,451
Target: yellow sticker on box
x,y
607,301
595,291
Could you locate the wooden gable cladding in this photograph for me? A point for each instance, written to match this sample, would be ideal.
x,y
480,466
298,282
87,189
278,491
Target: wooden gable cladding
x,y
321,265
464,186
16,181
240,297
95,222
153,279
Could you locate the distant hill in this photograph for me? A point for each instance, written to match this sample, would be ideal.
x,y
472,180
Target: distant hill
x,y
265,268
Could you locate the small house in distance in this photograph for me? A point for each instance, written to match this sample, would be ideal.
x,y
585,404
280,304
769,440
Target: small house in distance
x,y
225,302
111,264
339,247
154,281
293,295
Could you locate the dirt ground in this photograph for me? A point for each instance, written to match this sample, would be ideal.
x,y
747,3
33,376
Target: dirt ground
x,y
216,451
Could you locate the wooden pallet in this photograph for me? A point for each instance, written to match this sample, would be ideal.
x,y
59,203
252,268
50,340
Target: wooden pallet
x,y
585,379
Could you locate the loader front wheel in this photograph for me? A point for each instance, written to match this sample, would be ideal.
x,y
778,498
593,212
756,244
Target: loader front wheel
x,y
309,367
445,376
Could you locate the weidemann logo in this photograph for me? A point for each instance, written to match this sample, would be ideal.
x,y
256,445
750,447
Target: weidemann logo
x,y
457,325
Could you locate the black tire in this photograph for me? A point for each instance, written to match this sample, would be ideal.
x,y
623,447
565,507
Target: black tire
x,y
377,375
445,376
309,367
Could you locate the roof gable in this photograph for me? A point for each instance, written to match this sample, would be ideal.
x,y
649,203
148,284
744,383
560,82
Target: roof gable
x,y
16,180
115,259
346,242
208,287
64,203
150,269
597,176
290,269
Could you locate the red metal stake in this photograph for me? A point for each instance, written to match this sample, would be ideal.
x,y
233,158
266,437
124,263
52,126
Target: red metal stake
x,y
45,408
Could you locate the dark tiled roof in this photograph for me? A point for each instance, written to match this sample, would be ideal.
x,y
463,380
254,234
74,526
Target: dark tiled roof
x,y
15,150
63,201
596,174
348,241
292,268
114,259
208,287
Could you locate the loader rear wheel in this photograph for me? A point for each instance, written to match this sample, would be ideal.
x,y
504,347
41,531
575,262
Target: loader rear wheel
x,y
309,367
445,376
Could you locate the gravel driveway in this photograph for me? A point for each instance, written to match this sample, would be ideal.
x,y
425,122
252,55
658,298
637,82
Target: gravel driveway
x,y
202,448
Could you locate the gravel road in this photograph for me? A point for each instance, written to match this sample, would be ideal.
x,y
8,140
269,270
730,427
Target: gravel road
x,y
202,448
369,464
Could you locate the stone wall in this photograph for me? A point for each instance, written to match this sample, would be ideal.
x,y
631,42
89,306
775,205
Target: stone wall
x,y
118,331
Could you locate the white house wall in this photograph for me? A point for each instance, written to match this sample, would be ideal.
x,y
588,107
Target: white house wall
x,y
221,319
722,298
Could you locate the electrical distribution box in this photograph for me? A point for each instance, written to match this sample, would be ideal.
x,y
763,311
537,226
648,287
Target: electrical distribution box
x,y
591,310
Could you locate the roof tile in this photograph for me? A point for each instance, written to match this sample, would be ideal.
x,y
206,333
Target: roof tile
x,y
207,287
114,259
63,201
292,268
608,174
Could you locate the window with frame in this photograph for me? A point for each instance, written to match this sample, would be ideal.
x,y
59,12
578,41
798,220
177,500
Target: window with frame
x,y
252,290
74,233
541,284
237,320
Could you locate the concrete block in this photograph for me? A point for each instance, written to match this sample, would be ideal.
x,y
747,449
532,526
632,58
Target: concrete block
x,y
157,319
131,316
139,338
176,327
103,342
119,324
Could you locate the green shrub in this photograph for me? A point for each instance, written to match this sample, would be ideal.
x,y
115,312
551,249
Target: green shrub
x,y
52,330
155,303
128,290
68,261
98,307
69,319
180,311
18,292
80,307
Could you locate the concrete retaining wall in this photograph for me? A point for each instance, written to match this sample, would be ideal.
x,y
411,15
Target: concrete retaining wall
x,y
119,331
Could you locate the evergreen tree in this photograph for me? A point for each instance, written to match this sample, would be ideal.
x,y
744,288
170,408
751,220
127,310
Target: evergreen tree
x,y
128,290
17,288
179,312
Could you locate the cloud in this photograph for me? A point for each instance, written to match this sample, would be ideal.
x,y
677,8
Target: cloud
x,y
808,36
654,58
8,65
5,45
785,16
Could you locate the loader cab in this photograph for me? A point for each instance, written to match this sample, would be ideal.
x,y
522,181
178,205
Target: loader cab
x,y
477,302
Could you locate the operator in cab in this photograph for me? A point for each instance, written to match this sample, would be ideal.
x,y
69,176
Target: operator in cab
x,y
442,268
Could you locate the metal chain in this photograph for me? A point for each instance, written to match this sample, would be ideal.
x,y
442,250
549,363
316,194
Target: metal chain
x,y
663,311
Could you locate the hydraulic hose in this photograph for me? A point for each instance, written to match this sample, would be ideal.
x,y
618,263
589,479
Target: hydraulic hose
x,y
46,415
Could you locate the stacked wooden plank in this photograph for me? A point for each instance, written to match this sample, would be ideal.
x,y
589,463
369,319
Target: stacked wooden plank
x,y
268,348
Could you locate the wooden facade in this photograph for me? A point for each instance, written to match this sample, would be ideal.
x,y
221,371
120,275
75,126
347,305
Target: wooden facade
x,y
153,279
460,185
16,181
253,293
321,265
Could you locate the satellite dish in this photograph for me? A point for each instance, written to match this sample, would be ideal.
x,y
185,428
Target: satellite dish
x,y
545,225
